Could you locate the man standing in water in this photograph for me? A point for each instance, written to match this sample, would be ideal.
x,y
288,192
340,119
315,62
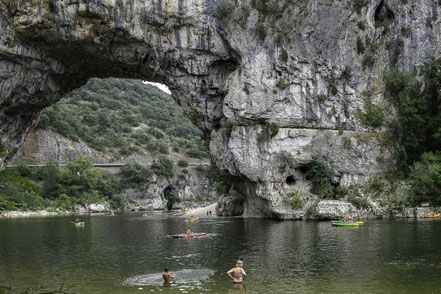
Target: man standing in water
x,y
167,277
238,273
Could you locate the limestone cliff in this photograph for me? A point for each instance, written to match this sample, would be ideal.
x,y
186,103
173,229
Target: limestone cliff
x,y
313,68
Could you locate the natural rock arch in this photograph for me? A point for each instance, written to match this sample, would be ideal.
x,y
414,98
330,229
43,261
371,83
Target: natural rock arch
x,y
48,48
232,82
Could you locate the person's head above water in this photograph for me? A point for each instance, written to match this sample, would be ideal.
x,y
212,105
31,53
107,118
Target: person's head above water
x,y
166,269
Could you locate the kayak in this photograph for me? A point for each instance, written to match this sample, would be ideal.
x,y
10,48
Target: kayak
x,y
189,236
360,223
78,224
194,220
343,224
434,216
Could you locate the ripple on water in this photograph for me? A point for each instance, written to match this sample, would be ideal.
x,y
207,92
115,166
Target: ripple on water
x,y
184,278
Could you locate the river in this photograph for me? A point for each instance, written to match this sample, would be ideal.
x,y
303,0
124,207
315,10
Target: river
x,y
127,254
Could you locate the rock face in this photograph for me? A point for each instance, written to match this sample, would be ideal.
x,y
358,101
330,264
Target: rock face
x,y
236,67
153,197
43,146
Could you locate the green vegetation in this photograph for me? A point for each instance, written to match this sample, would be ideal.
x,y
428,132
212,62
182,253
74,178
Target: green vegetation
x,y
406,32
284,55
261,31
419,122
368,61
50,186
346,73
224,11
296,200
360,46
361,25
347,143
229,125
282,84
119,117
270,129
282,167
321,178
418,129
358,201
182,163
358,5
321,98
163,167
373,116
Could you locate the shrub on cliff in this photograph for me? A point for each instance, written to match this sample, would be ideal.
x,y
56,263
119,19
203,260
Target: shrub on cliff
x,y
163,167
182,163
321,177
135,175
425,180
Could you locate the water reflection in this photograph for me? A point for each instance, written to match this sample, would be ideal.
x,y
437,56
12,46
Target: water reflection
x,y
121,254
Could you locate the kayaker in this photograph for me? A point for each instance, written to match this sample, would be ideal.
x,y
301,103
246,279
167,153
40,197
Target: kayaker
x,y
167,277
191,218
238,273
77,220
188,231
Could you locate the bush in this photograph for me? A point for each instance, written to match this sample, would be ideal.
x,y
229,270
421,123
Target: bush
x,y
358,5
261,31
321,177
229,125
425,180
282,167
182,163
358,202
373,116
360,46
296,200
163,167
64,202
135,175
347,73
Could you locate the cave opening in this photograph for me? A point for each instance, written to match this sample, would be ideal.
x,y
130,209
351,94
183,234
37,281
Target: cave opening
x,y
172,197
290,180
383,16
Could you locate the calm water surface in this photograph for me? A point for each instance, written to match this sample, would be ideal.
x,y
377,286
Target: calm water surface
x,y
127,253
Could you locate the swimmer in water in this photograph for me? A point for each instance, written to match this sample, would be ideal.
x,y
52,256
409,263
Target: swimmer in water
x,y
167,277
238,273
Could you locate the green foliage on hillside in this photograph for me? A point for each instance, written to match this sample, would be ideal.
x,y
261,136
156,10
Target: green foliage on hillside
x,y
418,129
120,117
51,186
425,179
419,119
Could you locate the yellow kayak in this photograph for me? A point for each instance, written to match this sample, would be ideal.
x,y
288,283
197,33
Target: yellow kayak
x,y
194,220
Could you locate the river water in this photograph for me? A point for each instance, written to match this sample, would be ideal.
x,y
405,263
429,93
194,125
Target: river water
x,y
127,254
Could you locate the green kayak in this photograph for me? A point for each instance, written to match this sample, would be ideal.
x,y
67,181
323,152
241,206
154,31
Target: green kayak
x,y
334,221
343,224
